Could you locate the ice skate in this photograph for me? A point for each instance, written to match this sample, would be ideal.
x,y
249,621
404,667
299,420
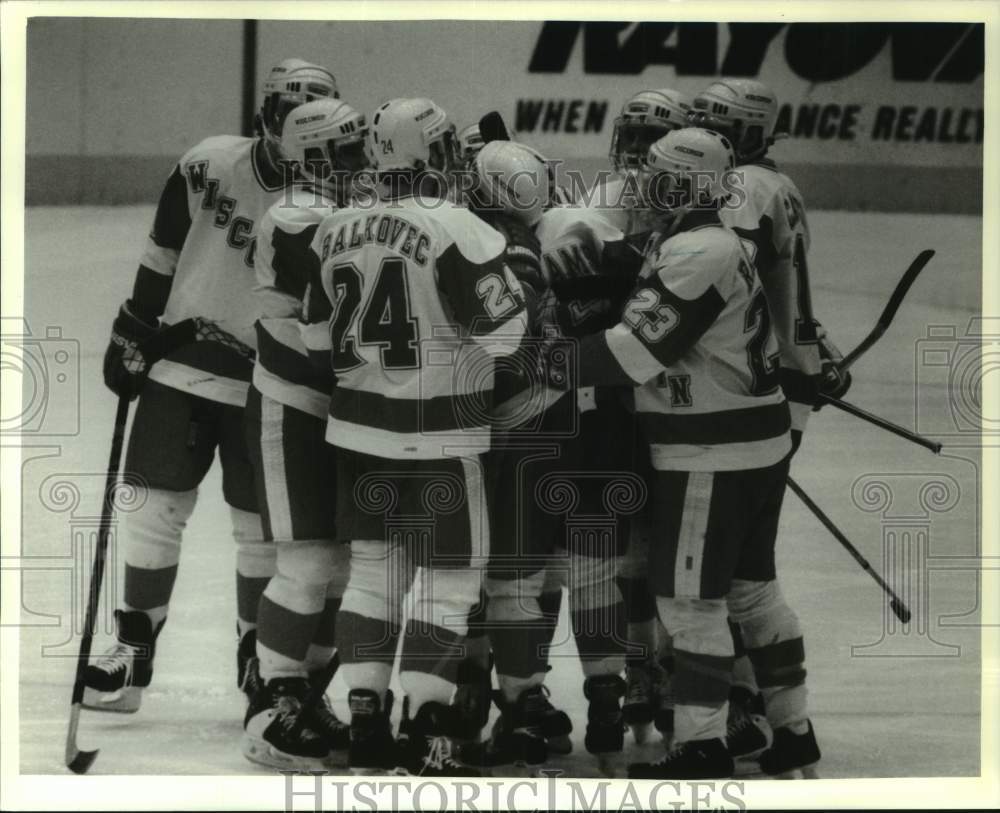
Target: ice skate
x,y
638,706
791,755
695,759
426,745
747,731
472,699
605,736
517,738
276,733
116,680
371,748
322,717
556,726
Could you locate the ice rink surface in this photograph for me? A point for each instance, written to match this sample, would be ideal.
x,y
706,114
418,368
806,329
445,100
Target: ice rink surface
x,y
887,701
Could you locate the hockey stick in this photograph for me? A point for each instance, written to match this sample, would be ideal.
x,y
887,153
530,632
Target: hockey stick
x,y
492,128
899,609
155,348
76,760
908,278
882,423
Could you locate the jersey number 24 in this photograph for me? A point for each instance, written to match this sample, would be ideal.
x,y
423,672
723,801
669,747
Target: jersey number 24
x,y
383,320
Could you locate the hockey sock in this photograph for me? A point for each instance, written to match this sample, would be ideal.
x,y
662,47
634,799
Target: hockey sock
x,y
255,565
742,667
153,549
324,640
292,606
518,632
773,638
477,641
550,602
368,624
432,643
597,614
703,663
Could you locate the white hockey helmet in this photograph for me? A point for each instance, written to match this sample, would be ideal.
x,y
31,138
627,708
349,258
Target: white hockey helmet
x,y
515,178
288,84
645,117
470,142
744,110
327,138
687,168
412,134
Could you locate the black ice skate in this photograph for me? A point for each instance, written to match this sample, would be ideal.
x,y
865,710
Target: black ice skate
x,y
637,710
275,730
426,743
605,724
556,726
747,731
663,718
517,738
322,718
472,698
115,682
371,749
247,665
791,756
695,759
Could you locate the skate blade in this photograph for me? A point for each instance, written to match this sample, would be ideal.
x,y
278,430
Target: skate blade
x,y
805,772
124,701
262,753
611,764
513,770
748,764
354,770
560,745
641,732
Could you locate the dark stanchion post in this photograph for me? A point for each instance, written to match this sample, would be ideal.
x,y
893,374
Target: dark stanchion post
x,y
249,78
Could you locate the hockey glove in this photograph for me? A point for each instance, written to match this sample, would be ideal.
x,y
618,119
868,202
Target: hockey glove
x,y
125,366
833,382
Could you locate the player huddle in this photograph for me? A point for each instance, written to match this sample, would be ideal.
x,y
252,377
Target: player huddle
x,y
442,393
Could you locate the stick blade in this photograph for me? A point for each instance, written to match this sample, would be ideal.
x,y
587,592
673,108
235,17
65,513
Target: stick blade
x,y
492,128
80,761
900,610
905,282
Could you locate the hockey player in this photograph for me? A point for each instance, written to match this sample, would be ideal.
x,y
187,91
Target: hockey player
x,y
295,469
578,246
422,302
771,217
199,261
645,117
695,339
511,191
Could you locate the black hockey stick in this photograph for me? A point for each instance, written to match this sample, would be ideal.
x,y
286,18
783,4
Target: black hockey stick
x,y
76,760
882,423
156,347
908,278
492,128
899,609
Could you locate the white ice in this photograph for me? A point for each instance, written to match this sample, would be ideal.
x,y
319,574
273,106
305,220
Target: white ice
x,y
891,714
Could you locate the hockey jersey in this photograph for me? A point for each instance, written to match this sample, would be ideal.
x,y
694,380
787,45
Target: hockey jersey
x,y
591,255
285,266
422,301
204,240
772,217
695,338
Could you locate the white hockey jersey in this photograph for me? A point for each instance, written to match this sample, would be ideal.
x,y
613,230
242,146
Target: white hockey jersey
x,y
285,267
695,338
772,216
421,303
204,238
